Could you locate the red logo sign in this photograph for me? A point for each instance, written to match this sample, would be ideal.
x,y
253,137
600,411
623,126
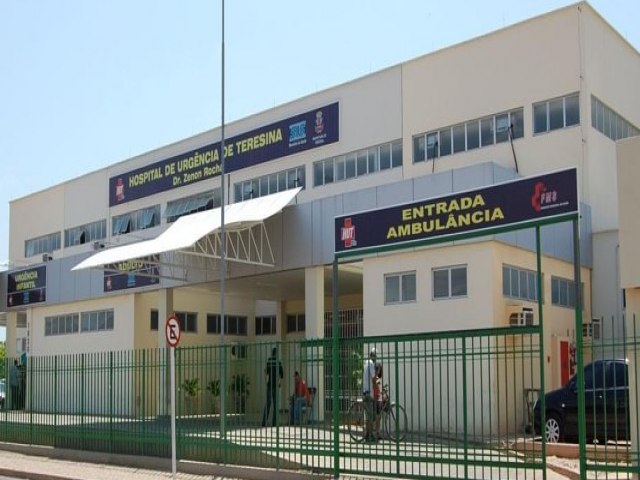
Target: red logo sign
x,y
541,197
119,190
348,233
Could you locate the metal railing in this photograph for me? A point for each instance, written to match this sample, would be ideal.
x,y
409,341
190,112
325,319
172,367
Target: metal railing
x,y
463,393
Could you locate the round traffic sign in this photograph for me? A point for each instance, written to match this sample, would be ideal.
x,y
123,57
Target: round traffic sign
x,y
172,331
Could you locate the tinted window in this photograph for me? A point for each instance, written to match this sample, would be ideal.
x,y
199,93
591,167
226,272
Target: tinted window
x,y
620,377
445,142
594,376
572,110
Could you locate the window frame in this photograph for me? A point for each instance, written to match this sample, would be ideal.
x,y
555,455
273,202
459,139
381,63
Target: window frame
x,y
567,292
400,276
240,322
262,321
376,158
296,322
188,321
519,270
449,269
547,113
482,131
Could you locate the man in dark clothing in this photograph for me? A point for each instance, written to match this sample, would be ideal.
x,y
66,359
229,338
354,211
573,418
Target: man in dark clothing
x,y
274,373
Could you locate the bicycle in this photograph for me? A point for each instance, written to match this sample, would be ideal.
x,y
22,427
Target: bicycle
x,y
392,417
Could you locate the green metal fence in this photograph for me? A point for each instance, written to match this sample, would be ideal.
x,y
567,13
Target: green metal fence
x,y
457,404
612,381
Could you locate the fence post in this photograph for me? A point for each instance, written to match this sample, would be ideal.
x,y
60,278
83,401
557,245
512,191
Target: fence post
x,y
111,401
55,401
582,437
464,408
335,359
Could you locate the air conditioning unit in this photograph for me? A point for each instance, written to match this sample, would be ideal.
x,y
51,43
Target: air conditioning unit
x,y
591,330
47,257
521,318
98,245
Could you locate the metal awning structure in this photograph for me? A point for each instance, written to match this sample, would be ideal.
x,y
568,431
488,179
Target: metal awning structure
x,y
199,236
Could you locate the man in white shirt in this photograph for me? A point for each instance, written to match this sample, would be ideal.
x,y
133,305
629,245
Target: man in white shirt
x,y
368,385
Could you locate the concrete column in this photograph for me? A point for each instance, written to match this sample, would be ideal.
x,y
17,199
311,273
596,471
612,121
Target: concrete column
x,y
314,301
12,321
314,328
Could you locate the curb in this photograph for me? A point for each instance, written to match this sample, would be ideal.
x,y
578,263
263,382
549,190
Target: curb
x,y
142,462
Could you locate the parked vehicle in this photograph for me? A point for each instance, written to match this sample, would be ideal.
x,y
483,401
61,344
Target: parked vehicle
x,y
606,405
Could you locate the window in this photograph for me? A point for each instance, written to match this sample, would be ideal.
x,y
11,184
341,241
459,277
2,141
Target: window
x,y
193,204
188,321
594,376
473,134
85,233
296,323
233,324
357,164
519,283
45,244
470,135
615,126
450,282
153,319
136,220
266,325
61,324
557,113
272,183
400,288
96,321
563,292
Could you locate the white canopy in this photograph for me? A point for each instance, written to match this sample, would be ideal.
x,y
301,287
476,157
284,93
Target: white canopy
x,y
188,230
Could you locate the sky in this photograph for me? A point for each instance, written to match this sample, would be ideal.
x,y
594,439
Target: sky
x,y
88,83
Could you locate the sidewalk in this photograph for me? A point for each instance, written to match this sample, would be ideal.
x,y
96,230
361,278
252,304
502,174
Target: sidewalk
x,y
39,463
40,466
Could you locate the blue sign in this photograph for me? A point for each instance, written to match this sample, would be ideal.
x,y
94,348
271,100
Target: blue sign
x,y
295,134
485,210
131,274
27,286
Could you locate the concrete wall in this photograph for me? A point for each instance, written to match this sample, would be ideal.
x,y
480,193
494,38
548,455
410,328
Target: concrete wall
x,y
628,170
120,338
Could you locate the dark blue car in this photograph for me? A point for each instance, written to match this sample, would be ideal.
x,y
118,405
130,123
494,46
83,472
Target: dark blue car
x,y
606,405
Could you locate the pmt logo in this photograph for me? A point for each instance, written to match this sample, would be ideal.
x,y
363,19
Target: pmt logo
x,y
119,190
543,198
348,233
298,131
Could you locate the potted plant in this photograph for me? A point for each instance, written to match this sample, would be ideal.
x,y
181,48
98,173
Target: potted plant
x,y
191,387
213,387
239,388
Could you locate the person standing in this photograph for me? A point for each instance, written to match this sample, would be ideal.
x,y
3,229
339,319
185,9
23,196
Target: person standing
x,y
274,373
301,396
14,383
368,394
377,397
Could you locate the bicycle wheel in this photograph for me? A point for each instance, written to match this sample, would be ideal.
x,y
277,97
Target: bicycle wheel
x,y
395,428
356,420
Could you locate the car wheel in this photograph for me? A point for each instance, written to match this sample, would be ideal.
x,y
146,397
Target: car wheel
x,y
553,428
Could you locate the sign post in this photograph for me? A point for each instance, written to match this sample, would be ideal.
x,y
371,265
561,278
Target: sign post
x,y
172,334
